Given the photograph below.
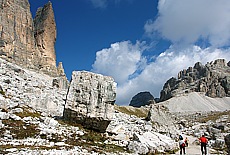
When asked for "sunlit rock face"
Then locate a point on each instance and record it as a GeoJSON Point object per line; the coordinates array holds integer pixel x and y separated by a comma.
{"type": "Point", "coordinates": [90, 100]}
{"type": "Point", "coordinates": [213, 79]}
{"type": "Point", "coordinates": [27, 42]}
{"type": "Point", "coordinates": [45, 36]}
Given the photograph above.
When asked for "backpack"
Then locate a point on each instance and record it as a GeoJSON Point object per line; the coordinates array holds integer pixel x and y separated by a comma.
{"type": "Point", "coordinates": [183, 144]}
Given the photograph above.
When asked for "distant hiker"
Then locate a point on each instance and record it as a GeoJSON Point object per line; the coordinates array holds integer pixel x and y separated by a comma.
{"type": "Point", "coordinates": [203, 142]}
{"type": "Point", "coordinates": [182, 146]}
{"type": "Point", "coordinates": [186, 141]}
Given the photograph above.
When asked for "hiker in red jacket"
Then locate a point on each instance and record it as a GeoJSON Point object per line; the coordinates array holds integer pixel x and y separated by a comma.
{"type": "Point", "coordinates": [203, 142]}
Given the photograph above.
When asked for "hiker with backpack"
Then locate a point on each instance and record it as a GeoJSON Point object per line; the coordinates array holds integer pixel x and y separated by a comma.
{"type": "Point", "coordinates": [182, 145]}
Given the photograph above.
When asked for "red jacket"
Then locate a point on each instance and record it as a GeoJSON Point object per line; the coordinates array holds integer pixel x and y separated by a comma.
{"type": "Point", "coordinates": [203, 140]}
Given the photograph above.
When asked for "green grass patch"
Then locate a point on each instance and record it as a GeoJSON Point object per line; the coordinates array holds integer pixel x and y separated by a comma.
{"type": "Point", "coordinates": [20, 130]}
{"type": "Point", "coordinates": [91, 140]}
{"type": "Point", "coordinates": [70, 123]}
{"type": "Point", "coordinates": [28, 113]}
{"type": "Point", "coordinates": [93, 136]}
{"type": "Point", "coordinates": [19, 147]}
{"type": "Point", "coordinates": [213, 116]}
{"type": "Point", "coordinates": [139, 112]}
{"type": "Point", "coordinates": [2, 92]}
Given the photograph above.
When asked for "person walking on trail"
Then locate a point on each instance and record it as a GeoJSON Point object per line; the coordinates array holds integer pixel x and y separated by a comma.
{"type": "Point", "coordinates": [186, 141]}
{"type": "Point", "coordinates": [203, 142]}
{"type": "Point", "coordinates": [182, 145]}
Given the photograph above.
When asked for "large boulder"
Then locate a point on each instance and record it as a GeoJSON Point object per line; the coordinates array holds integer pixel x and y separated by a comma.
{"type": "Point", "coordinates": [90, 100]}
{"type": "Point", "coordinates": [141, 99]}
{"type": "Point", "coordinates": [163, 120]}
{"type": "Point", "coordinates": [151, 142]}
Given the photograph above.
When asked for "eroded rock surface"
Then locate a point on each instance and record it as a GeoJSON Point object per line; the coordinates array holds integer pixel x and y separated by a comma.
{"type": "Point", "coordinates": [90, 100]}
{"type": "Point", "coordinates": [20, 86]}
{"type": "Point", "coordinates": [213, 79]}
{"type": "Point", "coordinates": [26, 42]}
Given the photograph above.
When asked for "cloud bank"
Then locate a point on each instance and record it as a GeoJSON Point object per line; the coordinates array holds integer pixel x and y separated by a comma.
{"type": "Point", "coordinates": [186, 23]}
{"type": "Point", "coordinates": [120, 61]}
{"type": "Point", "coordinates": [121, 64]}
{"type": "Point", "coordinates": [189, 20]}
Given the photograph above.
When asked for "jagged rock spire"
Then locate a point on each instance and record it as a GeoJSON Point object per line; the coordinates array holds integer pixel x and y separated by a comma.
{"type": "Point", "coordinates": [45, 35]}
{"type": "Point", "coordinates": [213, 79]}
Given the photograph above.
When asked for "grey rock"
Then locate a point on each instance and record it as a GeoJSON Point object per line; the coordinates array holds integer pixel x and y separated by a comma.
{"type": "Point", "coordinates": [213, 79]}
{"type": "Point", "coordinates": [16, 110]}
{"type": "Point", "coordinates": [1, 125]}
{"type": "Point", "coordinates": [15, 117]}
{"type": "Point", "coordinates": [138, 147]}
{"type": "Point", "coordinates": [219, 143]}
{"type": "Point", "coordinates": [142, 99]}
{"type": "Point", "coordinates": [228, 63]}
{"type": "Point", "coordinates": [163, 121]}
{"type": "Point", "coordinates": [227, 142]}
{"type": "Point", "coordinates": [50, 122]}
{"type": "Point", "coordinates": [4, 115]}
{"type": "Point", "coordinates": [90, 100]}
{"type": "Point", "coordinates": [32, 89]}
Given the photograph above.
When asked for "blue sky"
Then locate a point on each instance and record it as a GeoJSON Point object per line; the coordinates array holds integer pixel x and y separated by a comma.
{"type": "Point", "coordinates": [140, 43]}
{"type": "Point", "coordinates": [84, 27]}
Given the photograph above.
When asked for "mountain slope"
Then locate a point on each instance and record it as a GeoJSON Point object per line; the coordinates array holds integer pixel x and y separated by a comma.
{"type": "Point", "coordinates": [196, 102]}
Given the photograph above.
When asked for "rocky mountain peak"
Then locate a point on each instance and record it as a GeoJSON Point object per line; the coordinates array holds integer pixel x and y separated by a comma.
{"type": "Point", "coordinates": [213, 79]}
{"type": "Point", "coordinates": [45, 36]}
{"type": "Point", "coordinates": [141, 99]}
{"type": "Point", "coordinates": [27, 42]}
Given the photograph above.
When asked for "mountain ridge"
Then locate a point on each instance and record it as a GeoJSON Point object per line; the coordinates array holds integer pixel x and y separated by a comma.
{"type": "Point", "coordinates": [213, 79]}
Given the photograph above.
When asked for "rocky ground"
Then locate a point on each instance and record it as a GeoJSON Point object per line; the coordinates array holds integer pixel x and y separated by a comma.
{"type": "Point", "coordinates": [31, 122]}
{"type": "Point", "coordinates": [39, 109]}
{"type": "Point", "coordinates": [26, 131]}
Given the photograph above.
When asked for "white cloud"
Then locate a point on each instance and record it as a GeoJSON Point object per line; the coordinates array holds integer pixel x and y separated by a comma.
{"type": "Point", "coordinates": [183, 22]}
{"type": "Point", "coordinates": [99, 3]}
{"type": "Point", "coordinates": [167, 64]}
{"type": "Point", "coordinates": [121, 60]}
{"type": "Point", "coordinates": [188, 20]}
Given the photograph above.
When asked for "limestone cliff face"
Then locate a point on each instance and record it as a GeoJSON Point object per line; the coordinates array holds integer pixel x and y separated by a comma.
{"type": "Point", "coordinates": [16, 29]}
{"type": "Point", "coordinates": [26, 42]}
{"type": "Point", "coordinates": [213, 79]}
